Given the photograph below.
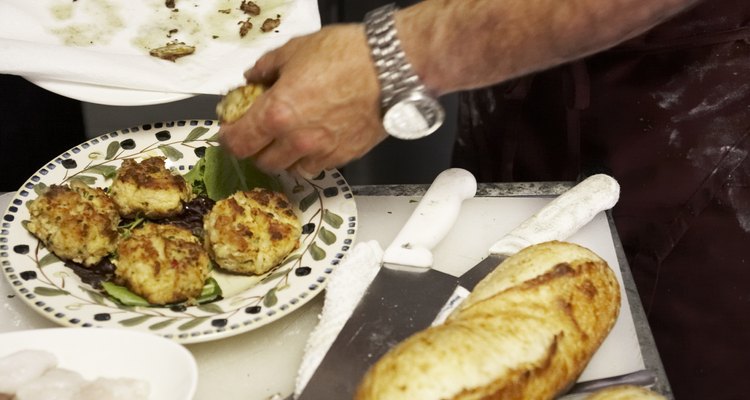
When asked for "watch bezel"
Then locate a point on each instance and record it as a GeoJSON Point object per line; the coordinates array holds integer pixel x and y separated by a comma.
{"type": "Point", "coordinates": [413, 97]}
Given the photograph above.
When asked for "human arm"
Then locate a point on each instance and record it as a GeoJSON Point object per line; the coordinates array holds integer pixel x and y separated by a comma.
{"type": "Point", "coordinates": [458, 45]}
{"type": "Point", "coordinates": [323, 109]}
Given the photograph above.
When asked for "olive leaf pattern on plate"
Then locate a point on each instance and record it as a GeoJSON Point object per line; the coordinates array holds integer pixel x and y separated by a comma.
{"type": "Point", "coordinates": [324, 204]}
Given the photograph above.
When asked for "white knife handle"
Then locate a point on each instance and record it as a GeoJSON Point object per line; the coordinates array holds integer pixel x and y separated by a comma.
{"type": "Point", "coordinates": [430, 222]}
{"type": "Point", "coordinates": [563, 216]}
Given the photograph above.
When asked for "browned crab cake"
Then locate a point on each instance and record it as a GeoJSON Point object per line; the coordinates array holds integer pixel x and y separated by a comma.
{"type": "Point", "coordinates": [164, 264]}
{"type": "Point", "coordinates": [149, 189]}
{"type": "Point", "coordinates": [76, 222]}
{"type": "Point", "coordinates": [251, 232]}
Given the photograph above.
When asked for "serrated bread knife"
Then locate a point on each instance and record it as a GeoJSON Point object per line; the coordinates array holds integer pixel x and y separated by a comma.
{"type": "Point", "coordinates": [558, 220]}
{"type": "Point", "coordinates": [399, 304]}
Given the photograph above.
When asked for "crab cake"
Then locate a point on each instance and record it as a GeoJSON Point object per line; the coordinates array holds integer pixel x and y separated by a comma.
{"type": "Point", "coordinates": [251, 232]}
{"type": "Point", "coordinates": [164, 264]}
{"type": "Point", "coordinates": [236, 103]}
{"type": "Point", "coordinates": [149, 189]}
{"type": "Point", "coordinates": [77, 223]}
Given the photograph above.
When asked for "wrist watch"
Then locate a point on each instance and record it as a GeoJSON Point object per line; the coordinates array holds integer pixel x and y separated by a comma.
{"type": "Point", "coordinates": [408, 109]}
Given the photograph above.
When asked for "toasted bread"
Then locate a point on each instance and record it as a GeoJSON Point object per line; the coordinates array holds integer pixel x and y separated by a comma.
{"type": "Point", "coordinates": [526, 332]}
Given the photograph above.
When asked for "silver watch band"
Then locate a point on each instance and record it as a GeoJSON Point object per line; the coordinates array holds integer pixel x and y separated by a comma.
{"type": "Point", "coordinates": [395, 74]}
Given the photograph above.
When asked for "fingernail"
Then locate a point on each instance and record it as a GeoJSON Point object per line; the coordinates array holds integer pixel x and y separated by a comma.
{"type": "Point", "coordinates": [302, 173]}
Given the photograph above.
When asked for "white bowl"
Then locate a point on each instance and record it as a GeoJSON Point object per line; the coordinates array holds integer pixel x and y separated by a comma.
{"type": "Point", "coordinates": [168, 367]}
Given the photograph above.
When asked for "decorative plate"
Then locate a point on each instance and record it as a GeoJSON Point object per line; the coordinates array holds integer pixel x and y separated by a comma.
{"type": "Point", "coordinates": [325, 205]}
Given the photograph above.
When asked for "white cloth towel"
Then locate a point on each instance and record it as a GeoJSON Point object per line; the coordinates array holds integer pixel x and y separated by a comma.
{"type": "Point", "coordinates": [107, 42]}
{"type": "Point", "coordinates": [346, 286]}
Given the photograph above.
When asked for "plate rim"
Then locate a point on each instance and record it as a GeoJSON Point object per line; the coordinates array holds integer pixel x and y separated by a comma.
{"type": "Point", "coordinates": [108, 95]}
{"type": "Point", "coordinates": [269, 316]}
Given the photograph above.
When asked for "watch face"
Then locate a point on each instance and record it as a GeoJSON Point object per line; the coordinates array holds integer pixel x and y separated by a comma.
{"type": "Point", "coordinates": [414, 116]}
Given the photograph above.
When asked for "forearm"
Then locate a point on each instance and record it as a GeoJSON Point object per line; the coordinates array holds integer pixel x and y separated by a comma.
{"type": "Point", "coordinates": [463, 44]}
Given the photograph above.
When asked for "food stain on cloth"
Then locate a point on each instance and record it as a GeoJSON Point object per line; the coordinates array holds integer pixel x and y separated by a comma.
{"type": "Point", "coordinates": [88, 23]}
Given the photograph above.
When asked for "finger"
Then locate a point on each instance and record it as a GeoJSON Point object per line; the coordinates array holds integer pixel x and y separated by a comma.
{"type": "Point", "coordinates": [300, 171]}
{"type": "Point", "coordinates": [267, 69]}
{"type": "Point", "coordinates": [244, 138]}
{"type": "Point", "coordinates": [310, 167]}
{"type": "Point", "coordinates": [293, 146]}
{"type": "Point", "coordinates": [279, 155]}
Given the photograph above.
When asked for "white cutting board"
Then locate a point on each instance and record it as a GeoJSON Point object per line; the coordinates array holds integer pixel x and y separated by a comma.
{"type": "Point", "coordinates": [481, 222]}
{"type": "Point", "coordinates": [261, 363]}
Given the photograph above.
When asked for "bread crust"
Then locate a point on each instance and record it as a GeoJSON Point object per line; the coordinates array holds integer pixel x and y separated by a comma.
{"type": "Point", "coordinates": [527, 331]}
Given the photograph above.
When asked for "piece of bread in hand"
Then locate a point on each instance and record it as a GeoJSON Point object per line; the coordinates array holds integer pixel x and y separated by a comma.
{"type": "Point", "coordinates": [527, 331]}
{"type": "Point", "coordinates": [625, 392]}
{"type": "Point", "coordinates": [237, 101]}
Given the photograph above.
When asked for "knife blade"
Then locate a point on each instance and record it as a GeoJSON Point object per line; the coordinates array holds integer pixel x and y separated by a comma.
{"type": "Point", "coordinates": [558, 220]}
{"type": "Point", "coordinates": [400, 298]}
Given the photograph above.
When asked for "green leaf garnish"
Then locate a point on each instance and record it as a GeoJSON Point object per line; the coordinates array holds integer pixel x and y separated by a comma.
{"type": "Point", "coordinates": [126, 229]}
{"type": "Point", "coordinates": [123, 295]}
{"type": "Point", "coordinates": [195, 177]}
{"type": "Point", "coordinates": [211, 291]}
{"type": "Point", "coordinates": [223, 175]}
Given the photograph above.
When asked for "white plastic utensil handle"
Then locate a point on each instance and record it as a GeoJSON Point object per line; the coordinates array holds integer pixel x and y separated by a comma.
{"type": "Point", "coordinates": [430, 222]}
{"type": "Point", "coordinates": [563, 216]}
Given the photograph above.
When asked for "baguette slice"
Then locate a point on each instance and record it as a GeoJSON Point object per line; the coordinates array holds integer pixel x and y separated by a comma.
{"type": "Point", "coordinates": [237, 101]}
{"type": "Point", "coordinates": [526, 332]}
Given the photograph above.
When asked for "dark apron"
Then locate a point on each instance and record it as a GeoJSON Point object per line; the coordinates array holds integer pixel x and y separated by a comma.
{"type": "Point", "coordinates": [668, 115]}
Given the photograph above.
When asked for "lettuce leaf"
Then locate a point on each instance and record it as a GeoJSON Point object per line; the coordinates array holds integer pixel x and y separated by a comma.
{"type": "Point", "coordinates": [210, 292]}
{"type": "Point", "coordinates": [218, 175]}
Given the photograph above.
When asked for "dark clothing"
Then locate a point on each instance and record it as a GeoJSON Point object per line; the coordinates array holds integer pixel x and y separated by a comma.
{"type": "Point", "coordinates": [668, 115]}
{"type": "Point", "coordinates": [35, 126]}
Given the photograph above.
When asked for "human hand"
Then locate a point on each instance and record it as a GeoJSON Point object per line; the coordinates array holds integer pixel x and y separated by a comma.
{"type": "Point", "coordinates": [322, 109]}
